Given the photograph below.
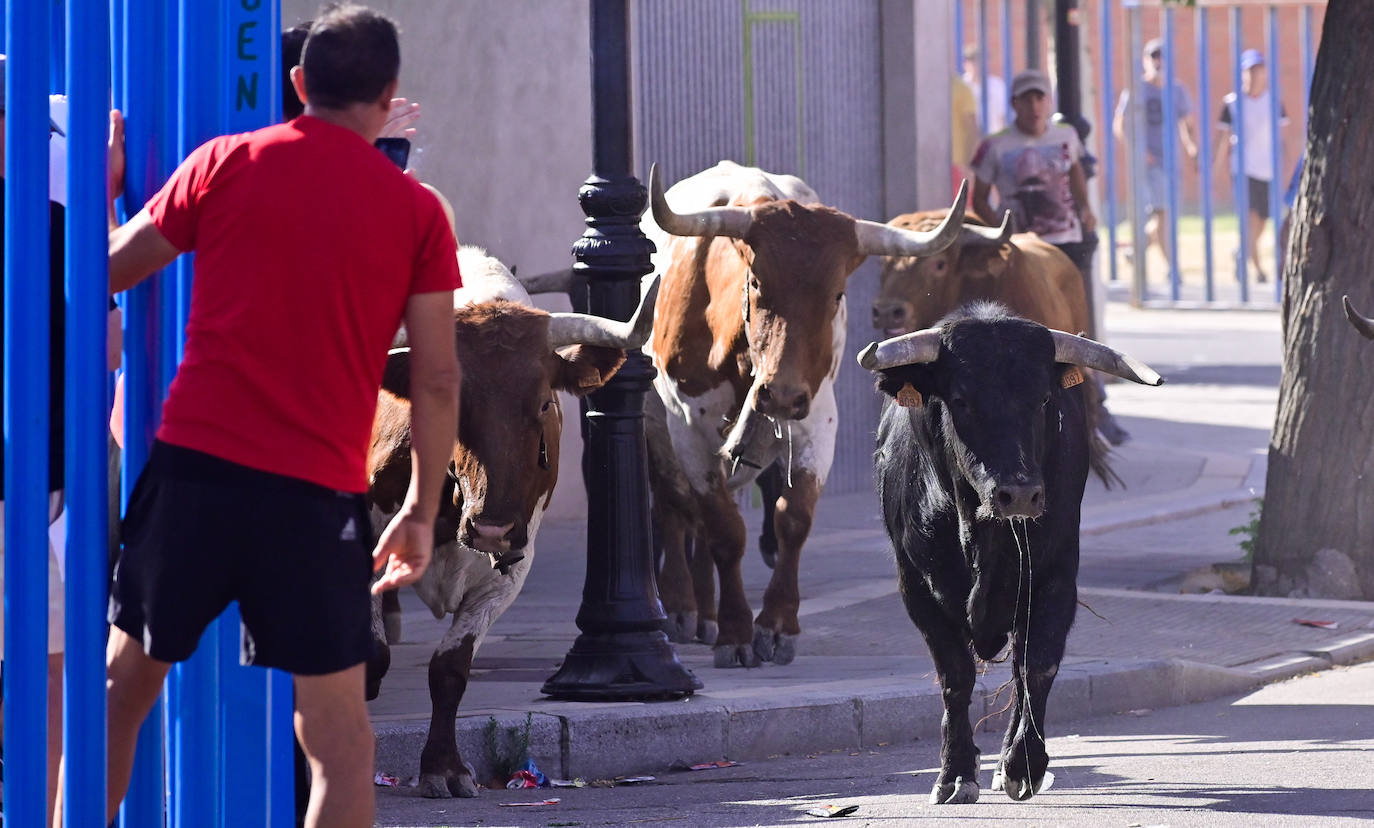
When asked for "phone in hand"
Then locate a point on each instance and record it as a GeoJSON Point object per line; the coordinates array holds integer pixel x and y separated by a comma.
{"type": "Point", "coordinates": [397, 149]}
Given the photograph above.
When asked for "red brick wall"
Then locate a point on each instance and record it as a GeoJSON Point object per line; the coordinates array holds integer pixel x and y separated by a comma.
{"type": "Point", "coordinates": [1220, 54]}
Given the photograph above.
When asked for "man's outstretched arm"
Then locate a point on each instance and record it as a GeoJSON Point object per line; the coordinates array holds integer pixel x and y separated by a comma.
{"type": "Point", "coordinates": [137, 250]}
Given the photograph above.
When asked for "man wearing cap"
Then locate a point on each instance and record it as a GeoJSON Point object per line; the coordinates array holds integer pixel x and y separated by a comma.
{"type": "Point", "coordinates": [1035, 167]}
{"type": "Point", "coordinates": [1151, 113]}
{"type": "Point", "coordinates": [1256, 128]}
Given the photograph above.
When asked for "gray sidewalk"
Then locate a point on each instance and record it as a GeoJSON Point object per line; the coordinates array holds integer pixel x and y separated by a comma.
{"type": "Point", "coordinates": [862, 675]}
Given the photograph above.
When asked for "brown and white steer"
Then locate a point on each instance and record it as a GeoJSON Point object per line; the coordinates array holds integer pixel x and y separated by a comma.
{"type": "Point", "coordinates": [748, 335]}
{"type": "Point", "coordinates": [501, 478]}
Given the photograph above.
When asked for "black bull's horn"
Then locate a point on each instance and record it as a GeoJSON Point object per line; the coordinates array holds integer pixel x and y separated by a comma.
{"type": "Point", "coordinates": [1363, 324]}
{"type": "Point", "coordinates": [587, 329]}
{"type": "Point", "coordinates": [874, 239]}
{"type": "Point", "coordinates": [924, 346]}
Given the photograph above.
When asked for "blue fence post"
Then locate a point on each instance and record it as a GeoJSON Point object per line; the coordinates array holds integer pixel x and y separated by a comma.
{"type": "Point", "coordinates": [142, 96]}
{"type": "Point", "coordinates": [1305, 35]}
{"type": "Point", "coordinates": [1008, 67]}
{"type": "Point", "coordinates": [87, 431]}
{"type": "Point", "coordinates": [1108, 138]}
{"type": "Point", "coordinates": [1136, 130]}
{"type": "Point", "coordinates": [1240, 183]}
{"type": "Point", "coordinates": [984, 98]}
{"type": "Point", "coordinates": [958, 36]}
{"type": "Point", "coordinates": [1205, 148]}
{"type": "Point", "coordinates": [26, 391]}
{"type": "Point", "coordinates": [1170, 134]}
{"type": "Point", "coordinates": [1280, 178]}
{"type": "Point", "coordinates": [256, 704]}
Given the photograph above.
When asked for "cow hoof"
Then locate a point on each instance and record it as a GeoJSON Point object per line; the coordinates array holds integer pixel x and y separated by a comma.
{"type": "Point", "coordinates": [1022, 789]}
{"type": "Point", "coordinates": [763, 643]}
{"type": "Point", "coordinates": [957, 792]}
{"type": "Point", "coordinates": [391, 623]}
{"type": "Point", "coordinates": [779, 648]}
{"type": "Point", "coordinates": [442, 786]}
{"type": "Point", "coordinates": [735, 655]}
{"type": "Point", "coordinates": [707, 631]}
{"type": "Point", "coordinates": [682, 627]}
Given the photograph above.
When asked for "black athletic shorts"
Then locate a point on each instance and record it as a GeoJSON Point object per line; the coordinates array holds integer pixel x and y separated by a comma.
{"type": "Point", "coordinates": [201, 532]}
{"type": "Point", "coordinates": [1259, 196]}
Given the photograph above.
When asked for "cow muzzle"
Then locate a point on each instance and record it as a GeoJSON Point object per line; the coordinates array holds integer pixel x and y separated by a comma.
{"type": "Point", "coordinates": [1022, 498]}
{"type": "Point", "coordinates": [892, 316]}
{"type": "Point", "coordinates": [782, 401]}
{"type": "Point", "coordinates": [495, 540]}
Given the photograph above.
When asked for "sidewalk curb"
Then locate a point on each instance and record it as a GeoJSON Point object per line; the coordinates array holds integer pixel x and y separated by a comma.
{"type": "Point", "coordinates": [605, 741]}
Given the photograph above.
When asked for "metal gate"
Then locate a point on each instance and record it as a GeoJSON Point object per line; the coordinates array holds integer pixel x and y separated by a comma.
{"type": "Point", "coordinates": [792, 86]}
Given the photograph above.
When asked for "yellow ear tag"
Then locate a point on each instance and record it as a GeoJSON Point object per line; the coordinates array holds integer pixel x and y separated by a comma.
{"type": "Point", "coordinates": [1071, 377]}
{"type": "Point", "coordinates": [909, 397]}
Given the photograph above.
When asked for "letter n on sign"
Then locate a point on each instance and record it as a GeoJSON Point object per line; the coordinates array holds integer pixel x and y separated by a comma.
{"type": "Point", "coordinates": [252, 56]}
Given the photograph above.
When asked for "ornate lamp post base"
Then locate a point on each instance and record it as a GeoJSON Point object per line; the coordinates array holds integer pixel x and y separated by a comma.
{"type": "Point", "coordinates": [630, 666]}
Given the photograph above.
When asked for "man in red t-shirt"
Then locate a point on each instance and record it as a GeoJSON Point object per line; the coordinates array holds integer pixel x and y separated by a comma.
{"type": "Point", "coordinates": [311, 248]}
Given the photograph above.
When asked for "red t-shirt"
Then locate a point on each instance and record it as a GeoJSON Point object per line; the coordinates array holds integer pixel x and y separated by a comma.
{"type": "Point", "coordinates": [307, 242]}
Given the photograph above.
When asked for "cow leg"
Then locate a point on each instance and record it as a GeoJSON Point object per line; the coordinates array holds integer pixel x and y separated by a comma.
{"type": "Point", "coordinates": [443, 773]}
{"type": "Point", "coordinates": [703, 568]}
{"type": "Point", "coordinates": [770, 483]}
{"type": "Point", "coordinates": [722, 535]}
{"type": "Point", "coordinates": [949, 649]}
{"type": "Point", "coordinates": [776, 629]}
{"type": "Point", "coordinates": [675, 579]}
{"type": "Point", "coordinates": [1037, 649]}
{"type": "Point", "coordinates": [391, 615]}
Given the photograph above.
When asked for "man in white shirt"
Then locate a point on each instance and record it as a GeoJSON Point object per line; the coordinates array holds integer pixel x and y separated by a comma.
{"type": "Point", "coordinates": [1257, 128]}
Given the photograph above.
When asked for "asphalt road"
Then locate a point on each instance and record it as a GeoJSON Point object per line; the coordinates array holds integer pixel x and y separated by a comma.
{"type": "Point", "coordinates": [1296, 753]}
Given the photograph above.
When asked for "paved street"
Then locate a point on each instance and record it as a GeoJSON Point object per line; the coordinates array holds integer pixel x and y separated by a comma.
{"type": "Point", "coordinates": [1297, 753]}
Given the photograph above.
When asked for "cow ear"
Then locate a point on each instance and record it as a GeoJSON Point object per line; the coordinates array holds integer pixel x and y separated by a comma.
{"type": "Point", "coordinates": [997, 262]}
{"type": "Point", "coordinates": [582, 369]}
{"type": "Point", "coordinates": [906, 383]}
{"type": "Point", "coordinates": [396, 374]}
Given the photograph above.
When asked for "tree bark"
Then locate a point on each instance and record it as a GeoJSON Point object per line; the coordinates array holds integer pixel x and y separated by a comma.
{"type": "Point", "coordinates": [1318, 493]}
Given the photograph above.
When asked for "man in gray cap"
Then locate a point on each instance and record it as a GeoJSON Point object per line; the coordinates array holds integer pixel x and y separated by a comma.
{"type": "Point", "coordinates": [1150, 113]}
{"type": "Point", "coordinates": [1256, 128]}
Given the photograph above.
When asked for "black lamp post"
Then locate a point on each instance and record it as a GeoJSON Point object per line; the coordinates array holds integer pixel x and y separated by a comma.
{"type": "Point", "coordinates": [622, 653]}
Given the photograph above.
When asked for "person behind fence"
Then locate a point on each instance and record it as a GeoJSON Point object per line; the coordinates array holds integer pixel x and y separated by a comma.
{"type": "Point", "coordinates": [1151, 119]}
{"type": "Point", "coordinates": [311, 247]}
{"type": "Point", "coordinates": [57, 199]}
{"type": "Point", "coordinates": [1036, 167]}
{"type": "Point", "coordinates": [996, 91]}
{"type": "Point", "coordinates": [1257, 124]}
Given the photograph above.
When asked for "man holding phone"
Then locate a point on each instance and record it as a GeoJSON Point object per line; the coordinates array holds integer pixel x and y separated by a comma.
{"type": "Point", "coordinates": [310, 250]}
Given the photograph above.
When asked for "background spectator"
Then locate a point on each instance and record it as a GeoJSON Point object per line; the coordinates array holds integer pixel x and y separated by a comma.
{"type": "Point", "coordinates": [1258, 129]}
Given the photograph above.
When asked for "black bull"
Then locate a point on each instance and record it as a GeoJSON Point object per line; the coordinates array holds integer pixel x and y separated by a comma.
{"type": "Point", "coordinates": [981, 463]}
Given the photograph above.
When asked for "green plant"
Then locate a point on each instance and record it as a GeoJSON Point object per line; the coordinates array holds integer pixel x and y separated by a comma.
{"type": "Point", "coordinates": [507, 752]}
{"type": "Point", "coordinates": [1249, 530]}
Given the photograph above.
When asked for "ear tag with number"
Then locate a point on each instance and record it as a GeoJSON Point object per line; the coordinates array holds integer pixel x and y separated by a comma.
{"type": "Point", "coordinates": [1072, 376]}
{"type": "Point", "coordinates": [909, 397]}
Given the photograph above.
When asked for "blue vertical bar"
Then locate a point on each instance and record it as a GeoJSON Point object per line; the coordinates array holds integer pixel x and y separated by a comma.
{"type": "Point", "coordinates": [57, 56]}
{"type": "Point", "coordinates": [1136, 130]}
{"type": "Point", "coordinates": [1280, 177]}
{"type": "Point", "coordinates": [1239, 181]}
{"type": "Point", "coordinates": [142, 97]}
{"type": "Point", "coordinates": [1305, 35]}
{"type": "Point", "coordinates": [958, 36]}
{"type": "Point", "coordinates": [256, 704]}
{"type": "Point", "coordinates": [26, 355]}
{"type": "Point", "coordinates": [1108, 141]}
{"type": "Point", "coordinates": [1171, 152]}
{"type": "Point", "coordinates": [1204, 96]}
{"type": "Point", "coordinates": [87, 431]}
{"type": "Point", "coordinates": [1008, 69]}
{"type": "Point", "coordinates": [194, 745]}
{"type": "Point", "coordinates": [984, 104]}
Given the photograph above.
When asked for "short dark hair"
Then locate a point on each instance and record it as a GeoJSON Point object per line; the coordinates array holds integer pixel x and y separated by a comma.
{"type": "Point", "coordinates": [350, 56]}
{"type": "Point", "coordinates": [292, 41]}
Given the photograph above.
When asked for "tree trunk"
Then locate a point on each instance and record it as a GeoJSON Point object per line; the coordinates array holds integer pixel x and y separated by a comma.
{"type": "Point", "coordinates": [1316, 535]}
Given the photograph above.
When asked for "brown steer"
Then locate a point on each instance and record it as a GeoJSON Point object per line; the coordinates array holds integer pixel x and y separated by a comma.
{"type": "Point", "coordinates": [748, 335]}
{"type": "Point", "coordinates": [502, 475]}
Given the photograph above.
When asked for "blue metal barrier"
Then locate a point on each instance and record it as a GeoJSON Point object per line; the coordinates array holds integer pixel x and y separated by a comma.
{"type": "Point", "coordinates": [1205, 151]}
{"type": "Point", "coordinates": [1170, 159]}
{"type": "Point", "coordinates": [26, 410]}
{"type": "Point", "coordinates": [1239, 182]}
{"type": "Point", "coordinates": [1280, 176]}
{"type": "Point", "coordinates": [87, 430]}
{"type": "Point", "coordinates": [1108, 140]}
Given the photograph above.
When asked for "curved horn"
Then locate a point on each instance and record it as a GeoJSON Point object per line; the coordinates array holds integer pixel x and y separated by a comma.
{"type": "Point", "coordinates": [907, 349]}
{"type": "Point", "coordinates": [1089, 354]}
{"type": "Point", "coordinates": [713, 221]}
{"type": "Point", "coordinates": [555, 281]}
{"type": "Point", "coordinates": [588, 329]}
{"type": "Point", "coordinates": [976, 234]}
{"type": "Point", "coordinates": [885, 240]}
{"type": "Point", "coordinates": [1363, 324]}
